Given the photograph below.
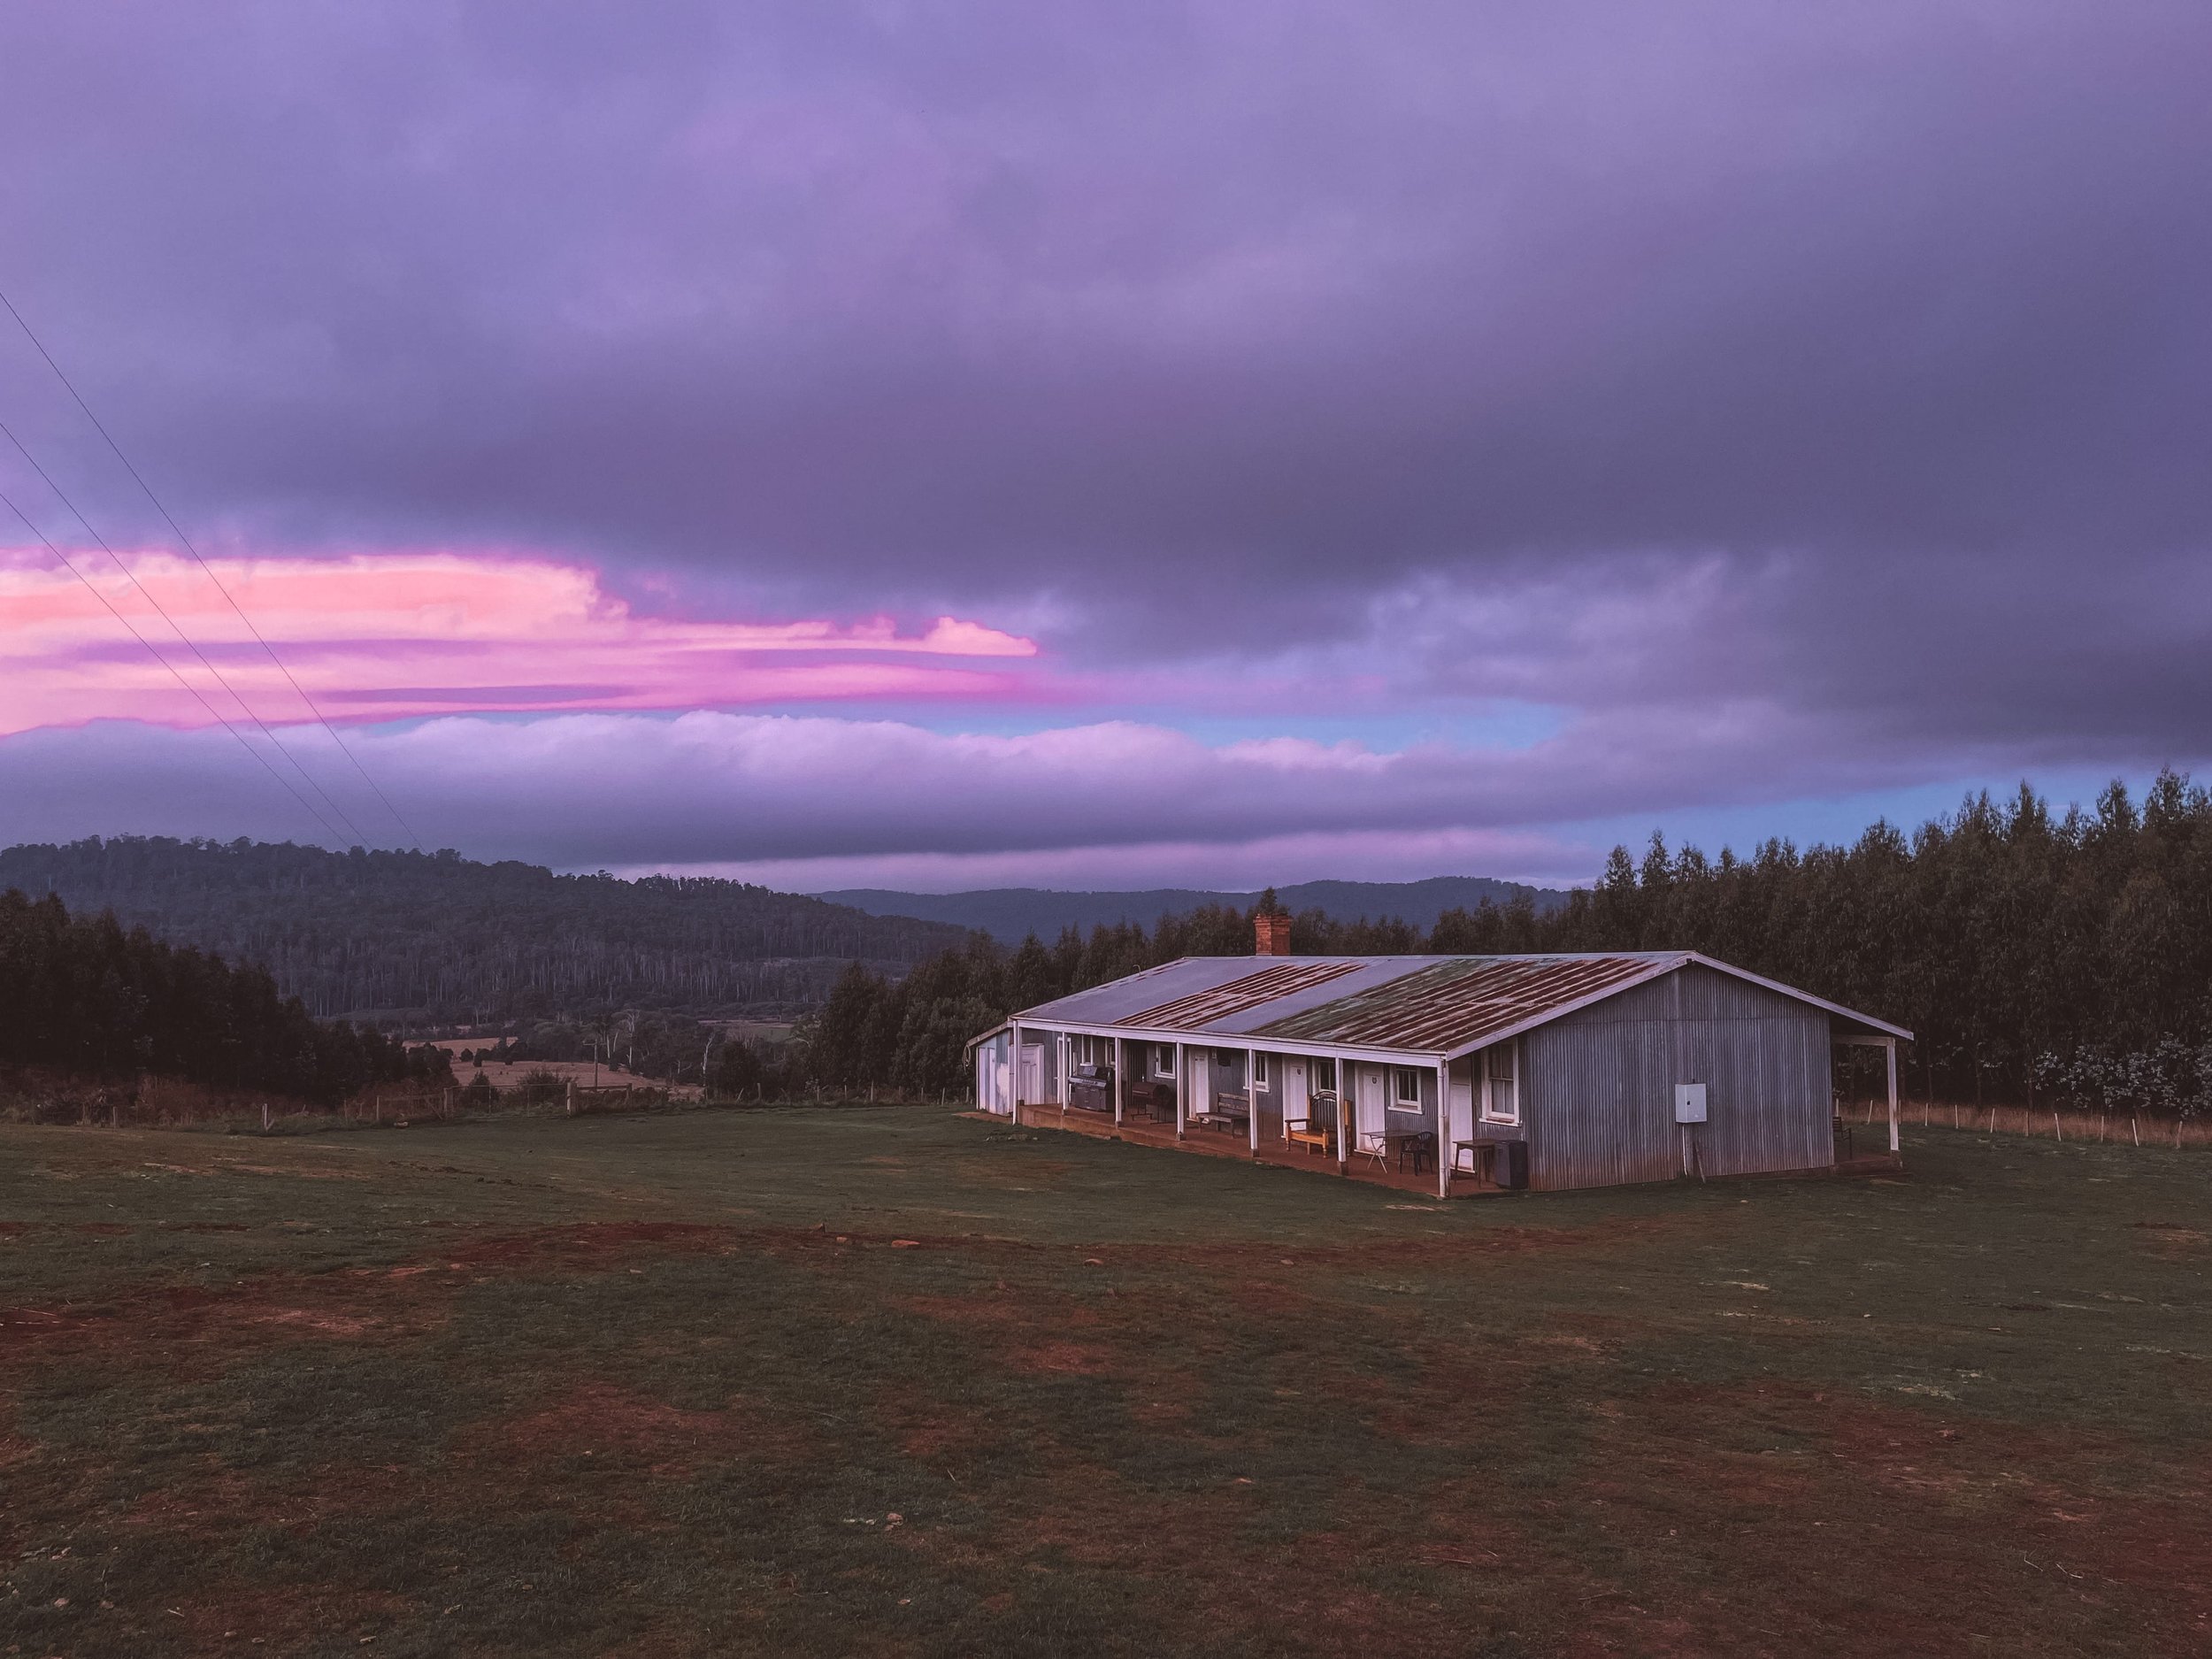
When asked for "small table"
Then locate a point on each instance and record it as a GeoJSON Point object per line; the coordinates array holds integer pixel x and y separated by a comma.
{"type": "Point", "coordinates": [1482, 1159]}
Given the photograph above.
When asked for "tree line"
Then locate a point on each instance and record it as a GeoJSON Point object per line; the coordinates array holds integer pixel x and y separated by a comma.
{"type": "Point", "coordinates": [435, 938]}
{"type": "Point", "coordinates": [2036, 955]}
{"type": "Point", "coordinates": [83, 996]}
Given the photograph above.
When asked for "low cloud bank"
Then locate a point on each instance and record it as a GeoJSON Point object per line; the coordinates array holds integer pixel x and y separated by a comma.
{"type": "Point", "coordinates": [812, 801]}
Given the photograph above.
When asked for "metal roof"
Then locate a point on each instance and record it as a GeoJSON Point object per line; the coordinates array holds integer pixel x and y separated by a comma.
{"type": "Point", "coordinates": [1426, 1005]}
{"type": "Point", "coordinates": [1463, 1001]}
{"type": "Point", "coordinates": [1196, 1009]}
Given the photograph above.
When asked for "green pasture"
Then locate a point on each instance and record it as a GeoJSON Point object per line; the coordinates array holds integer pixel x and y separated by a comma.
{"type": "Point", "coordinates": [901, 1381]}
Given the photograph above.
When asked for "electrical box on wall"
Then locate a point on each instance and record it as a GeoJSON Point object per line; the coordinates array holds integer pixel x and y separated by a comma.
{"type": "Point", "coordinates": [1689, 1102]}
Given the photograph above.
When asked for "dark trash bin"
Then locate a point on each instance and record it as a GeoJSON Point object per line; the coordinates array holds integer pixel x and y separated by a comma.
{"type": "Point", "coordinates": [1512, 1165]}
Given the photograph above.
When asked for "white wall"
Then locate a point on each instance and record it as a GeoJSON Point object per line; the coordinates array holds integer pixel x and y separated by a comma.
{"type": "Point", "coordinates": [994, 1084]}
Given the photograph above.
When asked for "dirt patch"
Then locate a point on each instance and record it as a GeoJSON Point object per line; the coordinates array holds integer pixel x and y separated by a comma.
{"type": "Point", "coordinates": [604, 1421]}
{"type": "Point", "coordinates": [2172, 1240]}
{"type": "Point", "coordinates": [1023, 1176]}
{"type": "Point", "coordinates": [1316, 1583]}
{"type": "Point", "coordinates": [309, 1319]}
{"type": "Point", "coordinates": [936, 1436]}
{"type": "Point", "coordinates": [588, 1240]}
{"type": "Point", "coordinates": [1006, 1311]}
{"type": "Point", "coordinates": [1424, 1252]}
{"type": "Point", "coordinates": [189, 1330]}
{"type": "Point", "coordinates": [227, 1167]}
{"type": "Point", "coordinates": [1070, 1359]}
{"type": "Point", "coordinates": [201, 1502]}
{"type": "Point", "coordinates": [231, 1618]}
{"type": "Point", "coordinates": [1742, 1486]}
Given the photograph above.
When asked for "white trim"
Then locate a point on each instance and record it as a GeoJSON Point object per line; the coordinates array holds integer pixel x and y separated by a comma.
{"type": "Point", "coordinates": [1169, 1037]}
{"type": "Point", "coordinates": [1003, 1026]}
{"type": "Point", "coordinates": [1445, 1155]}
{"type": "Point", "coordinates": [1837, 1008]}
{"type": "Point", "coordinates": [1893, 1144]}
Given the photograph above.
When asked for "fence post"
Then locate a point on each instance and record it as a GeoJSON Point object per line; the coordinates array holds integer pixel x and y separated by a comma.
{"type": "Point", "coordinates": [2056, 1133]}
{"type": "Point", "coordinates": [571, 1097]}
{"type": "Point", "coordinates": [265, 1117]}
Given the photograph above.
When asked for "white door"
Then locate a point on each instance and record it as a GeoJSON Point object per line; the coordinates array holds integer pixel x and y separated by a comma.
{"type": "Point", "coordinates": [1033, 1073]}
{"type": "Point", "coordinates": [1462, 1114]}
{"type": "Point", "coordinates": [1372, 1080]}
{"type": "Point", "coordinates": [1295, 1097]}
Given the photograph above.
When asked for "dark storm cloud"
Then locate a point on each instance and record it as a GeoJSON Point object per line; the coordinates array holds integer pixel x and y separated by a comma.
{"type": "Point", "coordinates": [1865, 346]}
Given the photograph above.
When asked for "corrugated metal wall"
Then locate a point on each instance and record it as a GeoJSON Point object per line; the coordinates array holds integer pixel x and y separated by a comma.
{"type": "Point", "coordinates": [1599, 1084]}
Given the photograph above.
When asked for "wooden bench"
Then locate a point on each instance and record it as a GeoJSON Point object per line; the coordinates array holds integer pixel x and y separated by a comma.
{"type": "Point", "coordinates": [1228, 1112]}
{"type": "Point", "coordinates": [1318, 1135]}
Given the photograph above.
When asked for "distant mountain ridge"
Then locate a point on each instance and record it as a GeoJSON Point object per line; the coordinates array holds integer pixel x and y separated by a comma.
{"type": "Point", "coordinates": [439, 937]}
{"type": "Point", "coordinates": [1010, 914]}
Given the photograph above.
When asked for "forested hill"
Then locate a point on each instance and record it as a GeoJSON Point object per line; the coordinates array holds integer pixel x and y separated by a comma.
{"type": "Point", "coordinates": [1011, 914]}
{"type": "Point", "coordinates": [352, 933]}
{"type": "Point", "coordinates": [81, 995]}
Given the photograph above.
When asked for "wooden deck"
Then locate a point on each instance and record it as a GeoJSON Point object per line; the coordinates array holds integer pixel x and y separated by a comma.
{"type": "Point", "coordinates": [1217, 1143]}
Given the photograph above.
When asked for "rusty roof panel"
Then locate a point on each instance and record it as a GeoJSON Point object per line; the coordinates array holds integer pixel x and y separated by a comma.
{"type": "Point", "coordinates": [1461, 1002]}
{"type": "Point", "coordinates": [1201, 1009]}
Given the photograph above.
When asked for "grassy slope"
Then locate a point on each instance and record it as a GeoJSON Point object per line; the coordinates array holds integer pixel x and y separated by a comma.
{"type": "Point", "coordinates": [602, 1385]}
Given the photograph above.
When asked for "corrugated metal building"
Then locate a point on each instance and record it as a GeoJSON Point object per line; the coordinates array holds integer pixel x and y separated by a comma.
{"type": "Point", "coordinates": [1554, 1070]}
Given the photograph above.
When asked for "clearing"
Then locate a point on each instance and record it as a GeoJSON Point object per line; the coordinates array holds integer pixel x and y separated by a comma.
{"type": "Point", "coordinates": [898, 1381]}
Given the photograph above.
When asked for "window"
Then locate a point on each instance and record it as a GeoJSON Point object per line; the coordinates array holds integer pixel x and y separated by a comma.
{"type": "Point", "coordinates": [1501, 1088]}
{"type": "Point", "coordinates": [1324, 1076]}
{"type": "Point", "coordinates": [1164, 1059]}
{"type": "Point", "coordinates": [1406, 1095]}
{"type": "Point", "coordinates": [1259, 1071]}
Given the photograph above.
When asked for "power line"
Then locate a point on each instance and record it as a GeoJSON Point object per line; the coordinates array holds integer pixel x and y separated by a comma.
{"type": "Point", "coordinates": [148, 593]}
{"type": "Point", "coordinates": [187, 542]}
{"type": "Point", "coordinates": [178, 674]}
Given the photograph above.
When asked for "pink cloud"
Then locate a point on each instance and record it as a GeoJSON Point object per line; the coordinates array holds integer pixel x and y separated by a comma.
{"type": "Point", "coordinates": [385, 636]}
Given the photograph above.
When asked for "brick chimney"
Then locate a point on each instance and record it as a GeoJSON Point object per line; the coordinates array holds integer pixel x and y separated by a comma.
{"type": "Point", "coordinates": [1272, 931]}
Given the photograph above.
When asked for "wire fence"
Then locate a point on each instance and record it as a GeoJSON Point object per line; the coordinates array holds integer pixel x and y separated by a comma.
{"type": "Point", "coordinates": [2042, 1122]}
{"type": "Point", "coordinates": [154, 1102]}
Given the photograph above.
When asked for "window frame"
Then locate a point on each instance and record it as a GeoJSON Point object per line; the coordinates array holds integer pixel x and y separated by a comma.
{"type": "Point", "coordinates": [1401, 1077]}
{"type": "Point", "coordinates": [1510, 1051]}
{"type": "Point", "coordinates": [1314, 1085]}
{"type": "Point", "coordinates": [1260, 1072]}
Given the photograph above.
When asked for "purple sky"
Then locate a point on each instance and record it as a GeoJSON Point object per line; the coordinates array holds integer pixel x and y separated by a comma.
{"type": "Point", "coordinates": [1368, 439]}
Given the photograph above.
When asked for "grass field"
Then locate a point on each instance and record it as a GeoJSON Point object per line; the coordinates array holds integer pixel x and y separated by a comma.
{"type": "Point", "coordinates": [899, 1381]}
